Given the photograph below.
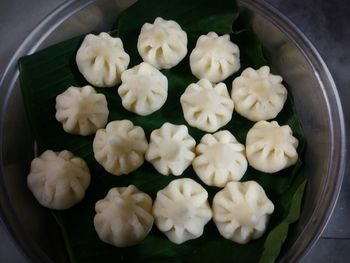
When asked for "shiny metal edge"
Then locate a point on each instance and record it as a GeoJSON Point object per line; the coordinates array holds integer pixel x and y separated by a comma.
{"type": "Point", "coordinates": [317, 223]}
{"type": "Point", "coordinates": [53, 20]}
{"type": "Point", "coordinates": [9, 77]}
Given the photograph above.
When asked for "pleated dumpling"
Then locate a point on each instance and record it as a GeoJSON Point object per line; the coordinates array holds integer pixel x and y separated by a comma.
{"type": "Point", "coordinates": [207, 106]}
{"type": "Point", "coordinates": [58, 180]}
{"type": "Point", "coordinates": [120, 148]}
{"type": "Point", "coordinates": [171, 149]}
{"type": "Point", "coordinates": [81, 110]}
{"type": "Point", "coordinates": [214, 57]}
{"type": "Point", "coordinates": [258, 94]}
{"type": "Point", "coordinates": [220, 159]}
{"type": "Point", "coordinates": [162, 44]}
{"type": "Point", "coordinates": [144, 89]}
{"type": "Point", "coordinates": [241, 211]}
{"type": "Point", "coordinates": [181, 210]}
{"type": "Point", "coordinates": [124, 217]}
{"type": "Point", "coordinates": [102, 59]}
{"type": "Point", "coordinates": [271, 147]}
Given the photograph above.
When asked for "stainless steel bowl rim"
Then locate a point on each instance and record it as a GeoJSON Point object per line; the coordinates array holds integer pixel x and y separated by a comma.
{"type": "Point", "coordinates": [338, 144]}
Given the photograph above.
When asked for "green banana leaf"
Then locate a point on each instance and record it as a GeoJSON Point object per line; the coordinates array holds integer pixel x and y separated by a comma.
{"type": "Point", "coordinates": [51, 71]}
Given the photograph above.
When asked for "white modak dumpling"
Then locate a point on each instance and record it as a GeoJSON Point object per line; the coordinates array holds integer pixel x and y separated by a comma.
{"type": "Point", "coordinates": [124, 217]}
{"type": "Point", "coordinates": [181, 210]}
{"type": "Point", "coordinates": [102, 59]}
{"type": "Point", "coordinates": [207, 106]}
{"type": "Point", "coordinates": [214, 57]}
{"type": "Point", "coordinates": [144, 89]}
{"type": "Point", "coordinates": [120, 148]}
{"type": "Point", "coordinates": [163, 44]}
{"type": "Point", "coordinates": [58, 180]}
{"type": "Point", "coordinates": [258, 94]}
{"type": "Point", "coordinates": [171, 149]}
{"type": "Point", "coordinates": [241, 211]}
{"type": "Point", "coordinates": [270, 147]}
{"type": "Point", "coordinates": [220, 159]}
{"type": "Point", "coordinates": [81, 110]}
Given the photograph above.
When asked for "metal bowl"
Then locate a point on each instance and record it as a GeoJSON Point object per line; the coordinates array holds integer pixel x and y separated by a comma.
{"type": "Point", "coordinates": [312, 87]}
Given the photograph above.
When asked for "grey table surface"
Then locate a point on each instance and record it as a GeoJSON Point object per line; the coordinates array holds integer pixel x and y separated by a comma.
{"type": "Point", "coordinates": [324, 22]}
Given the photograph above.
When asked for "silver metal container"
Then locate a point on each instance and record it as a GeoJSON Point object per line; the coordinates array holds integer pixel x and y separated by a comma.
{"type": "Point", "coordinates": [316, 100]}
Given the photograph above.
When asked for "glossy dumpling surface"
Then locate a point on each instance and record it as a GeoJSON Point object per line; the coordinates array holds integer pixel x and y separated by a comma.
{"type": "Point", "coordinates": [181, 210]}
{"type": "Point", "coordinates": [241, 211]}
{"type": "Point", "coordinates": [81, 110]}
{"type": "Point", "coordinates": [214, 57]}
{"type": "Point", "coordinates": [120, 148]}
{"type": "Point", "coordinates": [171, 149]}
{"type": "Point", "coordinates": [258, 94]}
{"type": "Point", "coordinates": [207, 106]}
{"type": "Point", "coordinates": [163, 44]}
{"type": "Point", "coordinates": [220, 159]}
{"type": "Point", "coordinates": [101, 59]}
{"type": "Point", "coordinates": [124, 217]}
{"type": "Point", "coordinates": [144, 89]}
{"type": "Point", "coordinates": [58, 180]}
{"type": "Point", "coordinates": [271, 147]}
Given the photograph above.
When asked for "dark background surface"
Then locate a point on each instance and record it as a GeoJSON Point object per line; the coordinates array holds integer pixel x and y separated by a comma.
{"type": "Point", "coordinates": [326, 23]}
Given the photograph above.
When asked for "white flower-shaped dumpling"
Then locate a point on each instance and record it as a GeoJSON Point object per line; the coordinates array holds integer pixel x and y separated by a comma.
{"type": "Point", "coordinates": [220, 159]}
{"type": "Point", "coordinates": [120, 148]}
{"type": "Point", "coordinates": [171, 149]}
{"type": "Point", "coordinates": [270, 147]}
{"type": "Point", "coordinates": [241, 211]}
{"type": "Point", "coordinates": [163, 44]}
{"type": "Point", "coordinates": [102, 59]}
{"type": "Point", "coordinates": [124, 217]}
{"type": "Point", "coordinates": [144, 89]}
{"type": "Point", "coordinates": [258, 95]}
{"type": "Point", "coordinates": [181, 210]}
{"type": "Point", "coordinates": [207, 106]}
{"type": "Point", "coordinates": [214, 57]}
{"type": "Point", "coordinates": [58, 180]}
{"type": "Point", "coordinates": [81, 110]}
